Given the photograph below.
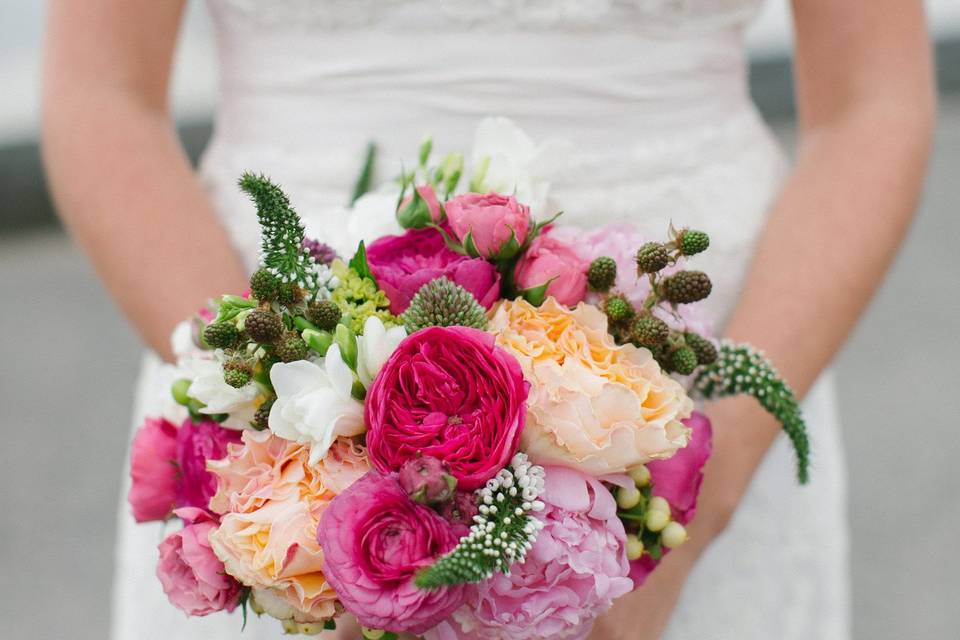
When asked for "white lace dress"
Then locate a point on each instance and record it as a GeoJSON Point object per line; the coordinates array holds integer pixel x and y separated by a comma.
{"type": "Point", "coordinates": [653, 95]}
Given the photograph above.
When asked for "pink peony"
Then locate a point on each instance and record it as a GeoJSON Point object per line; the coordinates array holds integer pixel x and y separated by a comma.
{"type": "Point", "coordinates": [489, 221]}
{"type": "Point", "coordinates": [549, 260]}
{"type": "Point", "coordinates": [374, 539]}
{"type": "Point", "coordinates": [576, 568]}
{"type": "Point", "coordinates": [403, 264]}
{"type": "Point", "coordinates": [153, 470]}
{"type": "Point", "coordinates": [677, 480]}
{"type": "Point", "coordinates": [451, 393]}
{"type": "Point", "coordinates": [191, 575]}
{"type": "Point", "coordinates": [198, 442]}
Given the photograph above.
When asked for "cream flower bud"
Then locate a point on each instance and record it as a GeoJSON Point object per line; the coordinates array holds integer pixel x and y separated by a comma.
{"type": "Point", "coordinates": [628, 497]}
{"type": "Point", "coordinates": [674, 535]}
{"type": "Point", "coordinates": [656, 520]}
{"type": "Point", "coordinates": [640, 475]}
{"type": "Point", "coordinates": [634, 547]}
{"type": "Point", "coordinates": [659, 504]}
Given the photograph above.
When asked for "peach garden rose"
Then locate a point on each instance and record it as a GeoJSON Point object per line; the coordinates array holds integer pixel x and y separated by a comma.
{"type": "Point", "coordinates": [594, 405]}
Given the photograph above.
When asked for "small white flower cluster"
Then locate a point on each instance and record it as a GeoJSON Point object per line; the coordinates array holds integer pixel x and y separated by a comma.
{"type": "Point", "coordinates": [326, 281]}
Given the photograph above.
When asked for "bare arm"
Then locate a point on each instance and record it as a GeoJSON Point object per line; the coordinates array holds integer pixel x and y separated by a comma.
{"type": "Point", "coordinates": [119, 177]}
{"type": "Point", "coordinates": [866, 100]}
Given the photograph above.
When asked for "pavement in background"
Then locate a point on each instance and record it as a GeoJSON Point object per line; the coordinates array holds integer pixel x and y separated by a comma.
{"type": "Point", "coordinates": [70, 361]}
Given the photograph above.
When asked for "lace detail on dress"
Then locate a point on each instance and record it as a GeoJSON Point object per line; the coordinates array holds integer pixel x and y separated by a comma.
{"type": "Point", "coordinates": [571, 15]}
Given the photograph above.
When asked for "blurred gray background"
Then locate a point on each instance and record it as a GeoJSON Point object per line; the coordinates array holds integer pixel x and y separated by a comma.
{"type": "Point", "coordinates": [69, 362]}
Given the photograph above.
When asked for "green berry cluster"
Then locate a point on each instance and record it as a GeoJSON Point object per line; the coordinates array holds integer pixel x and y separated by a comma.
{"type": "Point", "coordinates": [601, 274]}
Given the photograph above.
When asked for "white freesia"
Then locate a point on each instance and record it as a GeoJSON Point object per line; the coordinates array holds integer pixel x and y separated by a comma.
{"type": "Point", "coordinates": [518, 166]}
{"type": "Point", "coordinates": [374, 347]}
{"type": "Point", "coordinates": [314, 404]}
{"type": "Point", "coordinates": [208, 386]}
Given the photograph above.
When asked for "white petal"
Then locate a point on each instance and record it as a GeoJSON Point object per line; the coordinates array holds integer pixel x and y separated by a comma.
{"type": "Point", "coordinates": [340, 375]}
{"type": "Point", "coordinates": [291, 378]}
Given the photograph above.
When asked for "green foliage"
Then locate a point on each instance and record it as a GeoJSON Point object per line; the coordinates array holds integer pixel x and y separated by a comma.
{"type": "Point", "coordinates": [365, 179]}
{"type": "Point", "coordinates": [742, 369]}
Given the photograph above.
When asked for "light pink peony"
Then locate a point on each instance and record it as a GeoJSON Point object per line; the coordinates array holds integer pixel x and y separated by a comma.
{"type": "Point", "coordinates": [549, 259]}
{"type": "Point", "coordinates": [677, 480]}
{"type": "Point", "coordinates": [197, 443]}
{"type": "Point", "coordinates": [450, 393]}
{"type": "Point", "coordinates": [403, 264]}
{"type": "Point", "coordinates": [191, 575]}
{"type": "Point", "coordinates": [153, 471]}
{"type": "Point", "coordinates": [490, 220]}
{"type": "Point", "coordinates": [576, 568]}
{"type": "Point", "coordinates": [374, 539]}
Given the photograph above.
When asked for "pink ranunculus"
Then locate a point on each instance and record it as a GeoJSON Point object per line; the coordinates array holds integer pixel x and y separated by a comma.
{"type": "Point", "coordinates": [576, 568]}
{"type": "Point", "coordinates": [677, 480]}
{"type": "Point", "coordinates": [374, 540]}
{"type": "Point", "coordinates": [451, 393]}
{"type": "Point", "coordinates": [153, 471]}
{"type": "Point", "coordinates": [489, 220]}
{"type": "Point", "coordinates": [549, 260]}
{"type": "Point", "coordinates": [191, 575]}
{"type": "Point", "coordinates": [198, 442]}
{"type": "Point", "coordinates": [403, 264]}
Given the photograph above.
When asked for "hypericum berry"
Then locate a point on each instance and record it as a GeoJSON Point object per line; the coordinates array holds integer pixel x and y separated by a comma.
{"type": "Point", "coordinates": [221, 335]}
{"type": "Point", "coordinates": [705, 350]}
{"type": "Point", "coordinates": [290, 348]}
{"type": "Point", "coordinates": [264, 285]}
{"type": "Point", "coordinates": [290, 294]}
{"type": "Point", "coordinates": [602, 274]}
{"type": "Point", "coordinates": [652, 257]}
{"type": "Point", "coordinates": [683, 361]}
{"type": "Point", "coordinates": [325, 314]}
{"type": "Point", "coordinates": [263, 326]}
{"type": "Point", "coordinates": [650, 331]}
{"type": "Point", "coordinates": [692, 242]}
{"type": "Point", "coordinates": [686, 286]}
{"type": "Point", "coordinates": [618, 309]}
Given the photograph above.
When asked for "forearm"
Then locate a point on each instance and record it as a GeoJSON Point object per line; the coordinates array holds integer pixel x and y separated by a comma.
{"type": "Point", "coordinates": [126, 190]}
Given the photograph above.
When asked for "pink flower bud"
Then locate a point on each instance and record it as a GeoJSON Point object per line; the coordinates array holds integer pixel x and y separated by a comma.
{"type": "Point", "coordinates": [425, 479]}
{"type": "Point", "coordinates": [489, 225]}
{"type": "Point", "coordinates": [461, 509]}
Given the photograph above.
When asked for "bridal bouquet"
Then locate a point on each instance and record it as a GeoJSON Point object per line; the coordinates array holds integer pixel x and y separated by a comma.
{"type": "Point", "coordinates": [480, 427]}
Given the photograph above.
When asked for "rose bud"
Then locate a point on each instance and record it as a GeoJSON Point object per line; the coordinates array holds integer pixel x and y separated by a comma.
{"type": "Point", "coordinates": [425, 479]}
{"type": "Point", "coordinates": [420, 209]}
{"type": "Point", "coordinates": [461, 509]}
{"type": "Point", "coordinates": [490, 225]}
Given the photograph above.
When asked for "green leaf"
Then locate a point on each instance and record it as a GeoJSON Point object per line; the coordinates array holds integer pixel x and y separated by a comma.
{"type": "Point", "coordinates": [244, 598]}
{"type": "Point", "coordinates": [346, 339]}
{"type": "Point", "coordinates": [537, 295]}
{"type": "Point", "coordinates": [359, 263]}
{"type": "Point", "coordinates": [365, 179]}
{"type": "Point", "coordinates": [425, 149]}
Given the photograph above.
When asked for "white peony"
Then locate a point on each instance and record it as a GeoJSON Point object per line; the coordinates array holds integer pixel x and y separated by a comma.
{"type": "Point", "coordinates": [374, 347]}
{"type": "Point", "coordinates": [516, 165]}
{"type": "Point", "coordinates": [314, 404]}
{"type": "Point", "coordinates": [207, 386]}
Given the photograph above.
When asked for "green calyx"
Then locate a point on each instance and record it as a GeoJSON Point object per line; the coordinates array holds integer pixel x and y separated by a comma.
{"type": "Point", "coordinates": [443, 303]}
{"type": "Point", "coordinates": [601, 274]}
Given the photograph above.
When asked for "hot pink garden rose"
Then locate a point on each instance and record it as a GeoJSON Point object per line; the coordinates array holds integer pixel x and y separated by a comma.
{"type": "Point", "coordinates": [153, 471]}
{"type": "Point", "coordinates": [551, 260]}
{"type": "Point", "coordinates": [450, 393]}
{"type": "Point", "coordinates": [489, 220]}
{"type": "Point", "coordinates": [374, 539]}
{"type": "Point", "coordinates": [403, 264]}
{"type": "Point", "coordinates": [576, 568]}
{"type": "Point", "coordinates": [198, 442]}
{"type": "Point", "coordinates": [191, 575]}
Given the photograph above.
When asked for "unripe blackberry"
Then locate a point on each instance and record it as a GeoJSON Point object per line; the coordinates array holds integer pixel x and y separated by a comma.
{"type": "Point", "coordinates": [683, 360]}
{"type": "Point", "coordinates": [262, 416]}
{"type": "Point", "coordinates": [263, 326]}
{"type": "Point", "coordinates": [236, 378]}
{"type": "Point", "coordinates": [652, 257]}
{"type": "Point", "coordinates": [705, 350]}
{"type": "Point", "coordinates": [618, 309]}
{"type": "Point", "coordinates": [650, 331]}
{"type": "Point", "coordinates": [686, 286]}
{"type": "Point", "coordinates": [289, 294]}
{"type": "Point", "coordinates": [221, 335]}
{"type": "Point", "coordinates": [325, 314]}
{"type": "Point", "coordinates": [602, 274]}
{"type": "Point", "coordinates": [264, 285]}
{"type": "Point", "coordinates": [290, 348]}
{"type": "Point", "coordinates": [692, 242]}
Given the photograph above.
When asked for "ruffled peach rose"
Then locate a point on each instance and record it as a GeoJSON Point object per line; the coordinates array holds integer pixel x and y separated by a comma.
{"type": "Point", "coordinates": [593, 405]}
{"type": "Point", "coordinates": [271, 501]}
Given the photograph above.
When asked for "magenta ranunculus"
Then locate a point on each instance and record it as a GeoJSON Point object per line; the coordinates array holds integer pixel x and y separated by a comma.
{"type": "Point", "coordinates": [198, 442]}
{"type": "Point", "coordinates": [153, 470]}
{"type": "Point", "coordinates": [450, 393]}
{"type": "Point", "coordinates": [191, 575]}
{"type": "Point", "coordinates": [549, 260]}
{"type": "Point", "coordinates": [403, 264]}
{"type": "Point", "coordinates": [677, 480]}
{"type": "Point", "coordinates": [374, 539]}
{"type": "Point", "coordinates": [576, 568]}
{"type": "Point", "coordinates": [490, 220]}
